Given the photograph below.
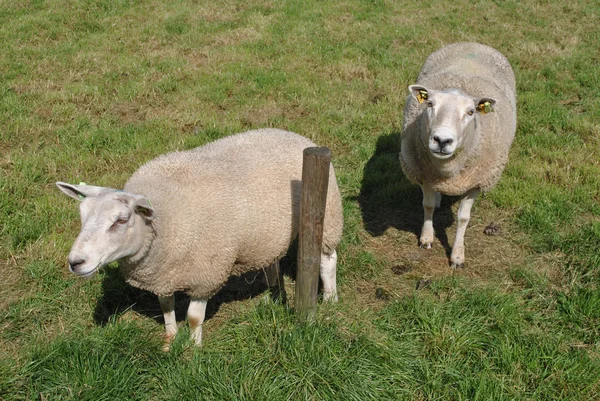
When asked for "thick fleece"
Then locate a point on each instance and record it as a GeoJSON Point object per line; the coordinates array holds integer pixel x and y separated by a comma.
{"type": "Point", "coordinates": [224, 208]}
{"type": "Point", "coordinates": [479, 71]}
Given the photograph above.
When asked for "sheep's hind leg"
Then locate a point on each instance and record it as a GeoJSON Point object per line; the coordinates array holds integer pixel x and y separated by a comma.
{"type": "Point", "coordinates": [328, 276]}
{"type": "Point", "coordinates": [195, 315]}
{"type": "Point", "coordinates": [430, 200]}
{"type": "Point", "coordinates": [274, 278]}
{"type": "Point", "coordinates": [167, 304]}
{"type": "Point", "coordinates": [457, 258]}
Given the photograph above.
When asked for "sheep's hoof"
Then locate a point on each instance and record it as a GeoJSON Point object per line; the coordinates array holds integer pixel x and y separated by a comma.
{"type": "Point", "coordinates": [455, 265]}
{"type": "Point", "coordinates": [330, 297]}
{"type": "Point", "coordinates": [426, 245]}
{"type": "Point", "coordinates": [167, 340]}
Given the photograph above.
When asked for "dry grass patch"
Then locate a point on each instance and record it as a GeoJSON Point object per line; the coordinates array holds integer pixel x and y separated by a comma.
{"type": "Point", "coordinates": [489, 259]}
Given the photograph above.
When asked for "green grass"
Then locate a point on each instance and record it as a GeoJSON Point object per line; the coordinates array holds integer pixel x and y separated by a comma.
{"type": "Point", "coordinates": [91, 90]}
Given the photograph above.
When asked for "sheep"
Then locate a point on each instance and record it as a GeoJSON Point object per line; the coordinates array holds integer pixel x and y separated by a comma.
{"type": "Point", "coordinates": [451, 143]}
{"type": "Point", "coordinates": [188, 220]}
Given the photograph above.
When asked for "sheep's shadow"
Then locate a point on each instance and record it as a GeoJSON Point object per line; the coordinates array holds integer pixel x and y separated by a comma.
{"type": "Point", "coordinates": [388, 199]}
{"type": "Point", "coordinates": [118, 296]}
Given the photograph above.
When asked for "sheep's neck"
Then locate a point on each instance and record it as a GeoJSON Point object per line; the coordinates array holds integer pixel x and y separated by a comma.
{"type": "Point", "coordinates": [134, 259]}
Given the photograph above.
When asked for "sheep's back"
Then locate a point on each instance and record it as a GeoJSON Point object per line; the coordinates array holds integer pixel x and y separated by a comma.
{"type": "Point", "coordinates": [471, 60]}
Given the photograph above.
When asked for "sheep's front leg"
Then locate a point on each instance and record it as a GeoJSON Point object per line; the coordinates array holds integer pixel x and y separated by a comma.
{"type": "Point", "coordinates": [167, 304]}
{"type": "Point", "coordinates": [457, 258]}
{"type": "Point", "coordinates": [431, 199]}
{"type": "Point", "coordinates": [328, 276]}
{"type": "Point", "coordinates": [195, 315]}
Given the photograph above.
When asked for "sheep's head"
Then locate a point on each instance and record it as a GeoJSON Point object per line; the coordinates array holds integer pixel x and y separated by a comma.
{"type": "Point", "coordinates": [114, 225]}
{"type": "Point", "coordinates": [451, 118]}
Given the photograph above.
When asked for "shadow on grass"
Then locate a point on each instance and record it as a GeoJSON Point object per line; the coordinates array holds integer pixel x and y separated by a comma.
{"type": "Point", "coordinates": [118, 296]}
{"type": "Point", "coordinates": [388, 199]}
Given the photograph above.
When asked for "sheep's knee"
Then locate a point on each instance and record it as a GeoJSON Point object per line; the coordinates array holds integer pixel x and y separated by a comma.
{"type": "Point", "coordinates": [328, 276]}
{"type": "Point", "coordinates": [167, 304]}
{"type": "Point", "coordinates": [195, 315]}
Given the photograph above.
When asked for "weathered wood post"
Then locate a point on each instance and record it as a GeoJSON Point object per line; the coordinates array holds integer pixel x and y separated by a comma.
{"type": "Point", "coordinates": [315, 180]}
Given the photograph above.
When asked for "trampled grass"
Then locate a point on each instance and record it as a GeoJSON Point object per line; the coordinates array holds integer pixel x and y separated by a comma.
{"type": "Point", "coordinates": [91, 90]}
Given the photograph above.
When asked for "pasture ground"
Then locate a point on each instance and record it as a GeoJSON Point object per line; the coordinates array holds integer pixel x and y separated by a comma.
{"type": "Point", "coordinates": [90, 90]}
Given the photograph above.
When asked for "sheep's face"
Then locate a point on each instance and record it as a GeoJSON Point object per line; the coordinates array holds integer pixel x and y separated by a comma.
{"type": "Point", "coordinates": [451, 118]}
{"type": "Point", "coordinates": [114, 225]}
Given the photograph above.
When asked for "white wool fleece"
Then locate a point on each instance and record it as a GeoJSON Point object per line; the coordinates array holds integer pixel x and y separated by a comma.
{"type": "Point", "coordinates": [224, 208]}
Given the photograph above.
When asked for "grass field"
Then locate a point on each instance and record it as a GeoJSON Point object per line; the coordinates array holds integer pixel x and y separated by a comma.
{"type": "Point", "coordinates": [92, 89]}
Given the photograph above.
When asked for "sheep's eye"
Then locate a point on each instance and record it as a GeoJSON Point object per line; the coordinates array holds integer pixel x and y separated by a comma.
{"type": "Point", "coordinates": [429, 103]}
{"type": "Point", "coordinates": [470, 112]}
{"type": "Point", "coordinates": [119, 222]}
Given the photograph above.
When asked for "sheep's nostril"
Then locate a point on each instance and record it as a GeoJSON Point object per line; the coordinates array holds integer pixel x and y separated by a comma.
{"type": "Point", "coordinates": [74, 265]}
{"type": "Point", "coordinates": [446, 142]}
{"type": "Point", "coordinates": [442, 142]}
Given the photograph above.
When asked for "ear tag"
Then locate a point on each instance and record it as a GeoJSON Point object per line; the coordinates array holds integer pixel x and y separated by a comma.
{"type": "Point", "coordinates": [422, 96]}
{"type": "Point", "coordinates": [484, 107]}
{"type": "Point", "coordinates": [81, 197]}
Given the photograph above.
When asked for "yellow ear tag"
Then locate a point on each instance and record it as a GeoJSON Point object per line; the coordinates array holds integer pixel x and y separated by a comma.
{"type": "Point", "coordinates": [422, 96]}
{"type": "Point", "coordinates": [484, 107]}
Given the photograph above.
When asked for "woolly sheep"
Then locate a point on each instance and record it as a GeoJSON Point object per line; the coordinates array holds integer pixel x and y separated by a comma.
{"type": "Point", "coordinates": [450, 143]}
{"type": "Point", "coordinates": [186, 221]}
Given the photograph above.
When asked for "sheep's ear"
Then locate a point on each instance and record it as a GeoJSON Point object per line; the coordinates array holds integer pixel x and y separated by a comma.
{"type": "Point", "coordinates": [485, 104]}
{"type": "Point", "coordinates": [139, 203]}
{"type": "Point", "coordinates": [419, 92]}
{"type": "Point", "coordinates": [142, 206]}
{"type": "Point", "coordinates": [81, 191]}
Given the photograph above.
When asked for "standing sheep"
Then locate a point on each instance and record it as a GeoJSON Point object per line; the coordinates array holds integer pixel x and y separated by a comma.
{"type": "Point", "coordinates": [451, 142]}
{"type": "Point", "coordinates": [186, 221]}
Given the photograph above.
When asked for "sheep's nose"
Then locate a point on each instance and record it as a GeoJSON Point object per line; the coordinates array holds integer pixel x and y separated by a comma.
{"type": "Point", "coordinates": [442, 142]}
{"type": "Point", "coordinates": [74, 265]}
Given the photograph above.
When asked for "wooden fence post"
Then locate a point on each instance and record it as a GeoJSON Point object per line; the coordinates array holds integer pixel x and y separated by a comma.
{"type": "Point", "coordinates": [315, 179]}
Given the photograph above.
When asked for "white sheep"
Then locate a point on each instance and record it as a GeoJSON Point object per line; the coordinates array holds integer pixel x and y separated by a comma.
{"type": "Point", "coordinates": [186, 221]}
{"type": "Point", "coordinates": [459, 123]}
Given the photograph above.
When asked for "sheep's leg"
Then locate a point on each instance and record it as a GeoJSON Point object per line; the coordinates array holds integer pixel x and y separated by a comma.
{"type": "Point", "coordinates": [457, 258]}
{"type": "Point", "coordinates": [438, 200]}
{"type": "Point", "coordinates": [275, 281]}
{"type": "Point", "coordinates": [429, 203]}
{"type": "Point", "coordinates": [272, 274]}
{"type": "Point", "coordinates": [328, 276]}
{"type": "Point", "coordinates": [195, 315]}
{"type": "Point", "coordinates": [167, 304]}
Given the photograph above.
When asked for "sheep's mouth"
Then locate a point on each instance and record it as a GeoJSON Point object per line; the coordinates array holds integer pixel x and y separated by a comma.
{"type": "Point", "coordinates": [89, 274]}
{"type": "Point", "coordinates": [440, 154]}
{"type": "Point", "coordinates": [86, 273]}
